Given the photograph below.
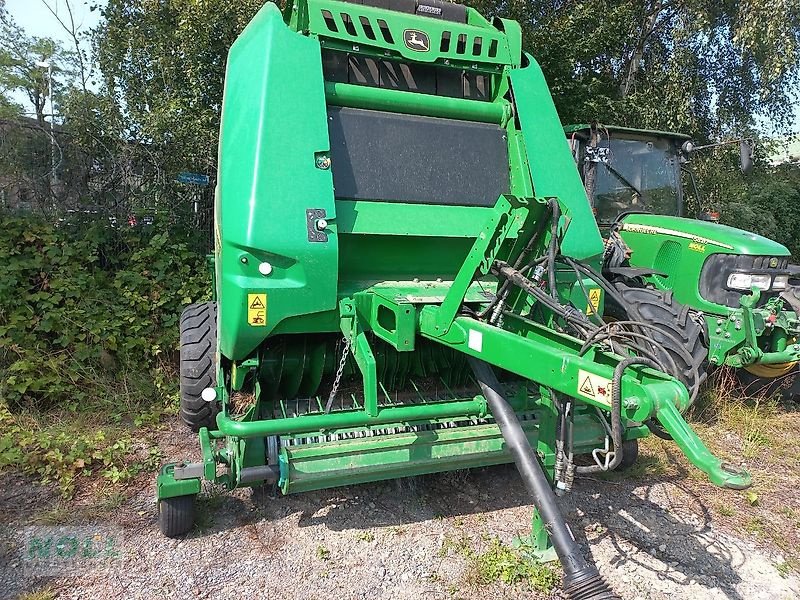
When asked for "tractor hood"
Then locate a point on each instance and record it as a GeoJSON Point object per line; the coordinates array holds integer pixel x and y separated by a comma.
{"type": "Point", "coordinates": [726, 239]}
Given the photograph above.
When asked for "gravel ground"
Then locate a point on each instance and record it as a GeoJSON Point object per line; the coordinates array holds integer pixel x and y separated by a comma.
{"type": "Point", "coordinates": [397, 539]}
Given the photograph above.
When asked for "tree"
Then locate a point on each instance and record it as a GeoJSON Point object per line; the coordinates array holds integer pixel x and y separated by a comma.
{"type": "Point", "coordinates": [704, 67]}
{"type": "Point", "coordinates": [20, 57]}
{"type": "Point", "coordinates": [165, 64]}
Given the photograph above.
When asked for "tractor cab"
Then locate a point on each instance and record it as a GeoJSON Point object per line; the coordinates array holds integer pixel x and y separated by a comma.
{"type": "Point", "coordinates": [629, 170]}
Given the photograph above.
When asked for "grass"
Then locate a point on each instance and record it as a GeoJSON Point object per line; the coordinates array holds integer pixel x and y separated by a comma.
{"type": "Point", "coordinates": [206, 507]}
{"type": "Point", "coordinates": [763, 434]}
{"type": "Point", "coordinates": [46, 593]}
{"type": "Point", "coordinates": [366, 536]}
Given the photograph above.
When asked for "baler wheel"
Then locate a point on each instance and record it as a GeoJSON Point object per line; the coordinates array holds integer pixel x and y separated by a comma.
{"type": "Point", "coordinates": [659, 308]}
{"type": "Point", "coordinates": [176, 515]}
{"type": "Point", "coordinates": [198, 364]}
{"type": "Point", "coordinates": [630, 452]}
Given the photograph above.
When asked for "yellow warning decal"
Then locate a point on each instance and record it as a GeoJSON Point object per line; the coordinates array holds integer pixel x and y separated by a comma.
{"type": "Point", "coordinates": [594, 299]}
{"type": "Point", "coordinates": [594, 387]}
{"type": "Point", "coordinates": [257, 310]}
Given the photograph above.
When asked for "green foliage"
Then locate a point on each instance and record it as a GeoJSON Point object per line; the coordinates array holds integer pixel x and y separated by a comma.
{"type": "Point", "coordinates": [19, 54]}
{"type": "Point", "coordinates": [88, 329]}
{"type": "Point", "coordinates": [695, 66]}
{"type": "Point", "coordinates": [166, 62]}
{"type": "Point", "coordinates": [79, 304]}
{"type": "Point", "coordinates": [501, 563]}
{"type": "Point", "coordinates": [62, 452]}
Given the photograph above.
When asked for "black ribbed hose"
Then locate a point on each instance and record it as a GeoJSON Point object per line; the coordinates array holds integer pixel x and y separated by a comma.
{"type": "Point", "coordinates": [582, 581]}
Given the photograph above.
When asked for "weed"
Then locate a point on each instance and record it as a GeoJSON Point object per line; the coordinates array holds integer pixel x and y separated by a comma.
{"type": "Point", "coordinates": [784, 569]}
{"type": "Point", "coordinates": [756, 526]}
{"type": "Point", "coordinates": [461, 545]}
{"type": "Point", "coordinates": [725, 510]}
{"type": "Point", "coordinates": [112, 499]}
{"type": "Point", "coordinates": [46, 593]}
{"type": "Point", "coordinates": [323, 553]}
{"type": "Point", "coordinates": [501, 563]}
{"type": "Point", "coordinates": [206, 506]}
{"type": "Point", "coordinates": [57, 515]}
{"type": "Point", "coordinates": [366, 536]}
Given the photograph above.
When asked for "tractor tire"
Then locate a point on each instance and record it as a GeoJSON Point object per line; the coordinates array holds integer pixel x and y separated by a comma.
{"type": "Point", "coordinates": [176, 515]}
{"type": "Point", "coordinates": [198, 364]}
{"type": "Point", "coordinates": [770, 381]}
{"type": "Point", "coordinates": [659, 308]}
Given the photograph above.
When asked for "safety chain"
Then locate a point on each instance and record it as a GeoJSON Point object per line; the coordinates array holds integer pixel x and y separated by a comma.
{"type": "Point", "coordinates": [338, 378]}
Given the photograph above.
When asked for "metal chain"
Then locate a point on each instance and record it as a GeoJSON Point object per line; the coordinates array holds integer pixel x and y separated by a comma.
{"type": "Point", "coordinates": [338, 378]}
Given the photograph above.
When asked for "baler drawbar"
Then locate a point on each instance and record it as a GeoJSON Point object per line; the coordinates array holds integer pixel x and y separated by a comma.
{"type": "Point", "coordinates": [406, 274]}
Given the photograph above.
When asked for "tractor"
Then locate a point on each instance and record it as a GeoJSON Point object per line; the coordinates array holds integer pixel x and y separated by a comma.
{"type": "Point", "coordinates": [407, 276]}
{"type": "Point", "coordinates": [738, 283]}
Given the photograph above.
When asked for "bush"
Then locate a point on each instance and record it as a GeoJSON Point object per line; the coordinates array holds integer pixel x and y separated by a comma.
{"type": "Point", "coordinates": [84, 304]}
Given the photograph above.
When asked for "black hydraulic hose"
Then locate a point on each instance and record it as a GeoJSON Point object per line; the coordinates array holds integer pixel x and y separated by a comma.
{"type": "Point", "coordinates": [553, 248]}
{"type": "Point", "coordinates": [616, 411]}
{"type": "Point", "coordinates": [582, 581]}
{"type": "Point", "coordinates": [502, 292]}
{"type": "Point", "coordinates": [573, 316]}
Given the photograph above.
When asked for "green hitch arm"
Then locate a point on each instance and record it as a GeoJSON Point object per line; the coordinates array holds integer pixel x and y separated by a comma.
{"type": "Point", "coordinates": [719, 473]}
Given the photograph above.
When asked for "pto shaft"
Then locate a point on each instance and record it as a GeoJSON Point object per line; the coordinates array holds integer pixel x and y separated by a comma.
{"type": "Point", "coordinates": [582, 581]}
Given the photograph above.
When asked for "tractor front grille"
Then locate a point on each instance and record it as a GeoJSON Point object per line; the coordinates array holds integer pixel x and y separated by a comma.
{"type": "Point", "coordinates": [717, 268]}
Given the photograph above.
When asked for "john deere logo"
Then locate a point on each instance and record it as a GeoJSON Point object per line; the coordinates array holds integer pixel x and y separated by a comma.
{"type": "Point", "coordinates": [417, 40]}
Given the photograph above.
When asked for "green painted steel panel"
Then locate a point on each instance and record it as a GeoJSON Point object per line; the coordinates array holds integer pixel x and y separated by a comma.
{"type": "Point", "coordinates": [551, 163]}
{"type": "Point", "coordinates": [267, 180]}
{"type": "Point", "coordinates": [655, 241]}
{"type": "Point", "coordinates": [356, 461]}
{"type": "Point", "coordinates": [397, 22]}
{"type": "Point", "coordinates": [722, 238]}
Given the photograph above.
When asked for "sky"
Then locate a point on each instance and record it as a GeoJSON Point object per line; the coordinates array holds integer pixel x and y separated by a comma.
{"type": "Point", "coordinates": [35, 19]}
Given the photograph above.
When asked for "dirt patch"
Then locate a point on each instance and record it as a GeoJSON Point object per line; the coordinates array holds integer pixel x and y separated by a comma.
{"type": "Point", "coordinates": [661, 531]}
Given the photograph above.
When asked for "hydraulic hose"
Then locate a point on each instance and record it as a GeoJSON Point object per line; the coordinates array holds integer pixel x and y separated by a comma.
{"type": "Point", "coordinates": [582, 581]}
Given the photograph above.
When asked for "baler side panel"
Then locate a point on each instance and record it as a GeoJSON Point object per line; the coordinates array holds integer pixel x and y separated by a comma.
{"type": "Point", "coordinates": [551, 163]}
{"type": "Point", "coordinates": [274, 130]}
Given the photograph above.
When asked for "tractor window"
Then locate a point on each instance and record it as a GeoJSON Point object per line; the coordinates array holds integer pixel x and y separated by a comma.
{"type": "Point", "coordinates": [635, 174]}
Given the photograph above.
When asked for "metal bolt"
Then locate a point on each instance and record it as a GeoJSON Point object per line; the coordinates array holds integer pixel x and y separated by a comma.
{"type": "Point", "coordinates": [243, 260]}
{"type": "Point", "coordinates": [438, 280]}
{"type": "Point", "coordinates": [733, 317]}
{"type": "Point", "coordinates": [719, 321]}
{"type": "Point", "coordinates": [713, 360]}
{"type": "Point", "coordinates": [727, 335]}
{"type": "Point", "coordinates": [209, 394]}
{"type": "Point", "coordinates": [631, 403]}
{"type": "Point", "coordinates": [323, 162]}
{"type": "Point", "coordinates": [738, 325]}
{"type": "Point", "coordinates": [265, 268]}
{"type": "Point", "coordinates": [322, 224]}
{"type": "Point", "coordinates": [719, 330]}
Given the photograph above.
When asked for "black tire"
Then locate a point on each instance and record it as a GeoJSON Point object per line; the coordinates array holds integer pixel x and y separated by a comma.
{"type": "Point", "coordinates": [786, 386]}
{"type": "Point", "coordinates": [176, 515]}
{"type": "Point", "coordinates": [659, 308]}
{"type": "Point", "coordinates": [630, 453]}
{"type": "Point", "coordinates": [198, 364]}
